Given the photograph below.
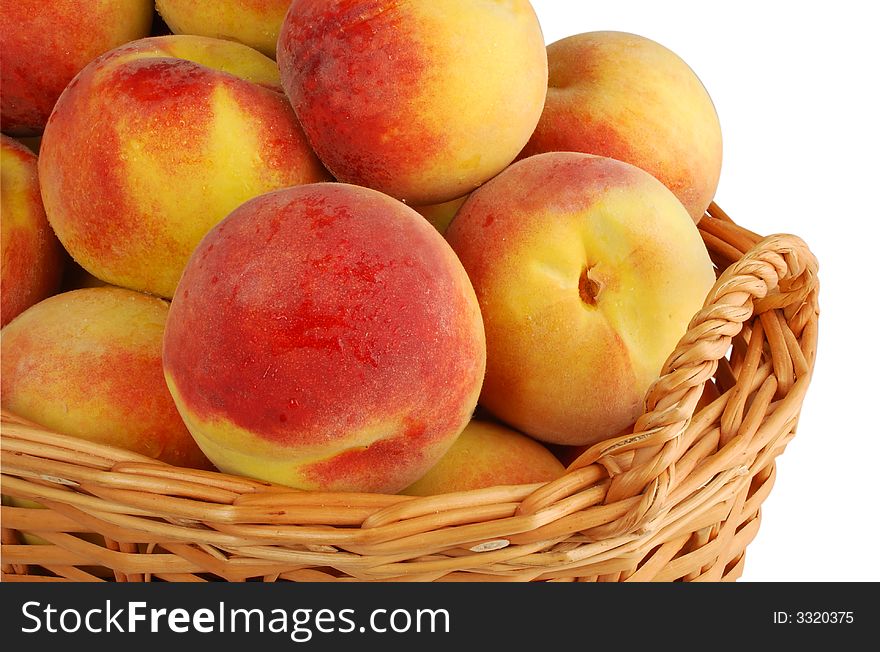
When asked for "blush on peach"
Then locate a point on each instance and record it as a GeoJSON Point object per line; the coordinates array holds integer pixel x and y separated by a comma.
{"type": "Point", "coordinates": [45, 43]}
{"type": "Point", "coordinates": [88, 363]}
{"type": "Point", "coordinates": [325, 337]}
{"type": "Point", "coordinates": [32, 259]}
{"type": "Point", "coordinates": [421, 100]}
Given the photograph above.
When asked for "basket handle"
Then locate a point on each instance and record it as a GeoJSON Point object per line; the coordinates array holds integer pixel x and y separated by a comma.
{"type": "Point", "coordinates": [778, 272]}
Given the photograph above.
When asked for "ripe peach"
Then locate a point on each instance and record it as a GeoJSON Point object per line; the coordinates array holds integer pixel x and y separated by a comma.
{"type": "Point", "coordinates": [44, 43]}
{"type": "Point", "coordinates": [31, 259]}
{"type": "Point", "coordinates": [587, 271]}
{"type": "Point", "coordinates": [154, 143]}
{"type": "Point", "coordinates": [487, 454]}
{"type": "Point", "coordinates": [626, 97]}
{"type": "Point", "coordinates": [88, 363]}
{"type": "Point", "coordinates": [325, 337]}
{"type": "Point", "coordinates": [421, 100]}
{"type": "Point", "coordinates": [255, 23]}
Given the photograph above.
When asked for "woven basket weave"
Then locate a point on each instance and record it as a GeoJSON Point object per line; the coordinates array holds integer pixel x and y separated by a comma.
{"type": "Point", "coordinates": [678, 499]}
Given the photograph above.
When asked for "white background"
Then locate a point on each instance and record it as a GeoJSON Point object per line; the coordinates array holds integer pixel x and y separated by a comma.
{"type": "Point", "coordinates": [795, 85]}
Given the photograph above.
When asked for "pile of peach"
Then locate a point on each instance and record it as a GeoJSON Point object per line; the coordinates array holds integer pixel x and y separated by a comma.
{"type": "Point", "coordinates": [308, 242]}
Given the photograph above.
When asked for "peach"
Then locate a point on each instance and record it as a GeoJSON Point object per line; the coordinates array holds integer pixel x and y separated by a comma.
{"type": "Point", "coordinates": [587, 271]}
{"type": "Point", "coordinates": [88, 363]}
{"type": "Point", "coordinates": [440, 215]}
{"type": "Point", "coordinates": [325, 337]}
{"type": "Point", "coordinates": [626, 97]}
{"type": "Point", "coordinates": [255, 23]}
{"type": "Point", "coordinates": [421, 100]}
{"type": "Point", "coordinates": [31, 259]}
{"type": "Point", "coordinates": [154, 143]}
{"type": "Point", "coordinates": [43, 44]}
{"type": "Point", "coordinates": [487, 454]}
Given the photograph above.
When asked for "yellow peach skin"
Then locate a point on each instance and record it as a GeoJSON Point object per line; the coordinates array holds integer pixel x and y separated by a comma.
{"type": "Point", "coordinates": [88, 363]}
{"type": "Point", "coordinates": [440, 215]}
{"type": "Point", "coordinates": [421, 100]}
{"type": "Point", "coordinates": [255, 23]}
{"type": "Point", "coordinates": [487, 454]}
{"type": "Point", "coordinates": [587, 271]}
{"type": "Point", "coordinates": [157, 141]}
{"type": "Point", "coordinates": [44, 43]}
{"type": "Point", "coordinates": [31, 259]}
{"type": "Point", "coordinates": [626, 97]}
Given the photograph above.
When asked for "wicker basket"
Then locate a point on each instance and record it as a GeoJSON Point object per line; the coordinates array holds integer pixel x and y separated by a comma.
{"type": "Point", "coordinates": [679, 499]}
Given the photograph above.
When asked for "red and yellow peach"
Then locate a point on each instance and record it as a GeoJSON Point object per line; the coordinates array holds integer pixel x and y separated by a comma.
{"type": "Point", "coordinates": [587, 271]}
{"type": "Point", "coordinates": [626, 97]}
{"type": "Point", "coordinates": [325, 337]}
{"type": "Point", "coordinates": [421, 100]}
{"type": "Point", "coordinates": [45, 43]}
{"type": "Point", "coordinates": [157, 141]}
{"type": "Point", "coordinates": [31, 260]}
{"type": "Point", "coordinates": [88, 363]}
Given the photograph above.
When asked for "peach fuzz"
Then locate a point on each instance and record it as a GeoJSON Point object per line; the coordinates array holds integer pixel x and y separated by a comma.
{"type": "Point", "coordinates": [421, 100]}
{"type": "Point", "coordinates": [45, 43]}
{"type": "Point", "coordinates": [325, 337]}
{"type": "Point", "coordinates": [487, 454]}
{"type": "Point", "coordinates": [154, 143]}
{"type": "Point", "coordinates": [255, 23]}
{"type": "Point", "coordinates": [88, 363]}
{"type": "Point", "coordinates": [587, 271]}
{"type": "Point", "coordinates": [31, 259]}
{"type": "Point", "coordinates": [626, 97]}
